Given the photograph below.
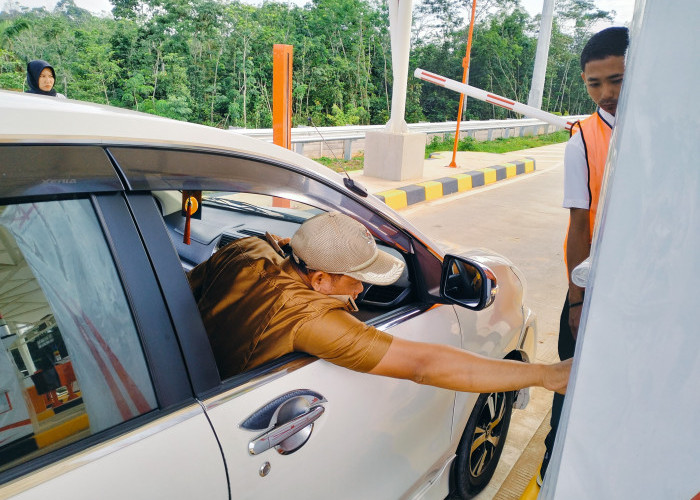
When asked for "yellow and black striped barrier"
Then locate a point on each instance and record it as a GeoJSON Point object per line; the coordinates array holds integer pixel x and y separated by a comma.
{"type": "Point", "coordinates": [430, 190]}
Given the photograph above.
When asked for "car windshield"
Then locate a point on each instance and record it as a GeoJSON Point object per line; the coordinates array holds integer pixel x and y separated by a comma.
{"type": "Point", "coordinates": [265, 205]}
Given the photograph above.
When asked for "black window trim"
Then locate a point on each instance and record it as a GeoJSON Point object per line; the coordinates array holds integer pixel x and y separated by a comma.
{"type": "Point", "coordinates": [124, 174]}
{"type": "Point", "coordinates": [62, 182]}
{"type": "Point", "coordinates": [161, 349]}
{"type": "Point", "coordinates": [184, 314]}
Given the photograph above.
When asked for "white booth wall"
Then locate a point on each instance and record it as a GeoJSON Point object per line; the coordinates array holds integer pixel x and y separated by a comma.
{"type": "Point", "coordinates": [631, 421]}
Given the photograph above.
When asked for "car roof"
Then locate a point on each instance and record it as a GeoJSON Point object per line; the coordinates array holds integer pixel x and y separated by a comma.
{"type": "Point", "coordinates": [28, 118]}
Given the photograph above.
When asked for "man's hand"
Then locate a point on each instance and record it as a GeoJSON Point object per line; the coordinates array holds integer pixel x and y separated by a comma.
{"type": "Point", "coordinates": [556, 376]}
{"type": "Point", "coordinates": [277, 242]}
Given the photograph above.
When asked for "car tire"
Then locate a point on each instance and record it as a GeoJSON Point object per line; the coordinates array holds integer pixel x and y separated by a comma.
{"type": "Point", "coordinates": [482, 443]}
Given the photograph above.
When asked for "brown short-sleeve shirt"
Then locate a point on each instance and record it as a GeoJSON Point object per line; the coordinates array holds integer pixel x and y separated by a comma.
{"type": "Point", "coordinates": [256, 308]}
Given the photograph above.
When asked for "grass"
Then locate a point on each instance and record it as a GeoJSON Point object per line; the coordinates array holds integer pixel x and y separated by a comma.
{"type": "Point", "coordinates": [466, 144]}
{"type": "Point", "coordinates": [498, 145]}
{"type": "Point", "coordinates": [338, 164]}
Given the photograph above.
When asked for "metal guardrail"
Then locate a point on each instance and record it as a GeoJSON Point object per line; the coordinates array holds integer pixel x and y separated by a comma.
{"type": "Point", "coordinates": [349, 137]}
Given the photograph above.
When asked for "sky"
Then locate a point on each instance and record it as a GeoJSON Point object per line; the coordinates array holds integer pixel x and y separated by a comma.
{"type": "Point", "coordinates": [623, 8]}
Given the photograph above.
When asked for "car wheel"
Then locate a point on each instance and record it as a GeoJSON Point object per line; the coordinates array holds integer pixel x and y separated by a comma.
{"type": "Point", "coordinates": [481, 444]}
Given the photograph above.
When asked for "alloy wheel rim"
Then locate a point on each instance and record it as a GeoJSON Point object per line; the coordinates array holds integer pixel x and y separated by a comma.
{"type": "Point", "coordinates": [487, 434]}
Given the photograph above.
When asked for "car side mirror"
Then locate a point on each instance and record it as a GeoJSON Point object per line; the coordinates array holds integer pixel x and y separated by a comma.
{"type": "Point", "coordinates": [467, 283]}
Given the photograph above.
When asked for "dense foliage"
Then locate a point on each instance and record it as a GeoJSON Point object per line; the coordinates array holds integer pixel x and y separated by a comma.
{"type": "Point", "coordinates": [210, 61]}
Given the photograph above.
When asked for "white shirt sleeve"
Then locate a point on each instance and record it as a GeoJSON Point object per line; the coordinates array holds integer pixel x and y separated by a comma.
{"type": "Point", "coordinates": [575, 174]}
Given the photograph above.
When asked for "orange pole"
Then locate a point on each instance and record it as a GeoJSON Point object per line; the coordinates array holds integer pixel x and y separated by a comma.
{"type": "Point", "coordinates": [282, 95]}
{"type": "Point", "coordinates": [465, 64]}
{"type": "Point", "coordinates": [282, 56]}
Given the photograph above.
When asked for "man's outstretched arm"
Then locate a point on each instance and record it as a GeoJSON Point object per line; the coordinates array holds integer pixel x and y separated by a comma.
{"type": "Point", "coordinates": [452, 368]}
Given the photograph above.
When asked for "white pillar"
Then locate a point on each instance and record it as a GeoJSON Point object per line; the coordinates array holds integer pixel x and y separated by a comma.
{"type": "Point", "coordinates": [400, 30]}
{"type": "Point", "coordinates": [26, 356]}
{"type": "Point", "coordinates": [394, 153]}
{"type": "Point", "coordinates": [538, 74]}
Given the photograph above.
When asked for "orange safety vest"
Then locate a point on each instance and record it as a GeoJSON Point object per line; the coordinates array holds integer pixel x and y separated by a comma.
{"type": "Point", "coordinates": [595, 135]}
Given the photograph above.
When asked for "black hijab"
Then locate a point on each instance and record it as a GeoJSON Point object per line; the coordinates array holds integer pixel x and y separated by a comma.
{"type": "Point", "coordinates": [34, 69]}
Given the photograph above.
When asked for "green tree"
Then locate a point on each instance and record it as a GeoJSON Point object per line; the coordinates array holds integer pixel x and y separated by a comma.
{"type": "Point", "coordinates": [210, 61]}
{"type": "Point", "coordinates": [136, 90]}
{"type": "Point", "coordinates": [12, 69]}
{"type": "Point", "coordinates": [93, 71]}
{"type": "Point", "coordinates": [502, 61]}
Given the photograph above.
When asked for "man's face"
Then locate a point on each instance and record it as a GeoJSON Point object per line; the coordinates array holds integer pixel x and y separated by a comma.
{"type": "Point", "coordinates": [336, 284]}
{"type": "Point", "coordinates": [603, 79]}
{"type": "Point", "coordinates": [46, 80]}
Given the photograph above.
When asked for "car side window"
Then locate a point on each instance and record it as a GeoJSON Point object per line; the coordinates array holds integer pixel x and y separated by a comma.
{"type": "Point", "coordinates": [71, 362]}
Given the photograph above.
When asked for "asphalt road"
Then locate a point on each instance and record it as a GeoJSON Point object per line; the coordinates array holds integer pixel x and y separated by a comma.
{"type": "Point", "coordinates": [522, 219]}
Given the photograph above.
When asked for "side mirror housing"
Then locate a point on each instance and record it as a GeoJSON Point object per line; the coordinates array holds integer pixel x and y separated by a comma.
{"type": "Point", "coordinates": [467, 283]}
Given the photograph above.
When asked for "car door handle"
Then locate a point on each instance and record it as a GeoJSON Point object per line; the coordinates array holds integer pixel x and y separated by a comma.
{"type": "Point", "coordinates": [292, 434]}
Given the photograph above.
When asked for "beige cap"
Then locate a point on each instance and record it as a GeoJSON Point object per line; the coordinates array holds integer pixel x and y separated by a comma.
{"type": "Point", "coordinates": [338, 244]}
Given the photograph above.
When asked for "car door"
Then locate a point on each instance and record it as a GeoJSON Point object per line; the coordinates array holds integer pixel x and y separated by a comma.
{"type": "Point", "coordinates": [106, 407]}
{"type": "Point", "coordinates": [372, 437]}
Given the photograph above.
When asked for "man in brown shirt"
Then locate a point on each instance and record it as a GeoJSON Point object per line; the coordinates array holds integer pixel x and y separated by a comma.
{"type": "Point", "coordinates": [258, 308]}
{"type": "Point", "coordinates": [257, 305]}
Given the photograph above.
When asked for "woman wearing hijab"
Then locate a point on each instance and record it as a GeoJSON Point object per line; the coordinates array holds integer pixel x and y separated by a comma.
{"type": "Point", "coordinates": [41, 78]}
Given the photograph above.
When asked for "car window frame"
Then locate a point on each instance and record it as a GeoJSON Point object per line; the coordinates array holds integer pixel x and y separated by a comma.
{"type": "Point", "coordinates": [163, 354]}
{"type": "Point", "coordinates": [186, 320]}
{"type": "Point", "coordinates": [213, 173]}
{"type": "Point", "coordinates": [137, 176]}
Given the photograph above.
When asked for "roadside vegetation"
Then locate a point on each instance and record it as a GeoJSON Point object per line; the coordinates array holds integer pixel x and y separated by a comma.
{"type": "Point", "coordinates": [499, 145]}
{"type": "Point", "coordinates": [210, 61]}
{"type": "Point", "coordinates": [466, 144]}
{"type": "Point", "coordinates": [340, 164]}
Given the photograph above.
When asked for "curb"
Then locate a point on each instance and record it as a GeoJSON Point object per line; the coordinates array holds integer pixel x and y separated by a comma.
{"type": "Point", "coordinates": [531, 490]}
{"type": "Point", "coordinates": [430, 190]}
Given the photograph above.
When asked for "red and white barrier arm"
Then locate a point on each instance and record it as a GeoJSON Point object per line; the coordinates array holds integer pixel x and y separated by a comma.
{"type": "Point", "coordinates": [498, 100]}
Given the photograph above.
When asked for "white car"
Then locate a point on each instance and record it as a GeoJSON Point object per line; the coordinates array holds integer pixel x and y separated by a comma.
{"type": "Point", "coordinates": [110, 386]}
